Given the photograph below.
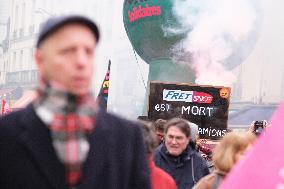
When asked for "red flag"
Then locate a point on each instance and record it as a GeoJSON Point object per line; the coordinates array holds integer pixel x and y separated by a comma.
{"type": "Point", "coordinates": [5, 107]}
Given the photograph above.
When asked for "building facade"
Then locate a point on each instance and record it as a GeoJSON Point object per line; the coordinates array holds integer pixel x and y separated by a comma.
{"type": "Point", "coordinates": [20, 24]}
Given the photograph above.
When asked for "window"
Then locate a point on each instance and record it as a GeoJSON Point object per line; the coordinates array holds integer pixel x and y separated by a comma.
{"type": "Point", "coordinates": [16, 20]}
{"type": "Point", "coordinates": [23, 18]}
{"type": "Point", "coordinates": [21, 60]}
{"type": "Point", "coordinates": [30, 66]}
{"type": "Point", "coordinates": [14, 61]}
{"type": "Point", "coordinates": [31, 29]}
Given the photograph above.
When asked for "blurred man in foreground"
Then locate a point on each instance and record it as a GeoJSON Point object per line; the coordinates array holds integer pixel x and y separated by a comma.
{"type": "Point", "coordinates": [63, 140]}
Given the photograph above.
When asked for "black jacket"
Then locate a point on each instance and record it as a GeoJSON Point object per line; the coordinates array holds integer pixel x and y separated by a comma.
{"type": "Point", "coordinates": [116, 159]}
{"type": "Point", "coordinates": [180, 167]}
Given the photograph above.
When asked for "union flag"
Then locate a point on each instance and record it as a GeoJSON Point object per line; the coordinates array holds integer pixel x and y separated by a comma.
{"type": "Point", "coordinates": [103, 95]}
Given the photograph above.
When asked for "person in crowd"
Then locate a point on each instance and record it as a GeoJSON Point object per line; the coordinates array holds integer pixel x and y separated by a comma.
{"type": "Point", "coordinates": [159, 178]}
{"type": "Point", "coordinates": [178, 158]}
{"type": "Point", "coordinates": [63, 140]}
{"type": "Point", "coordinates": [159, 125]}
{"type": "Point", "coordinates": [205, 150]}
{"type": "Point", "coordinates": [230, 149]}
{"type": "Point", "coordinates": [193, 134]}
{"type": "Point", "coordinates": [193, 131]}
{"type": "Point", "coordinates": [200, 145]}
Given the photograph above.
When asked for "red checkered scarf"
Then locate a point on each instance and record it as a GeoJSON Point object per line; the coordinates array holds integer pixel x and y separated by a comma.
{"type": "Point", "coordinates": [70, 119]}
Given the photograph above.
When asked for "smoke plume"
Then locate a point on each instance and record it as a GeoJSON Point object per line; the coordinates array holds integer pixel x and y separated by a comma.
{"type": "Point", "coordinates": [216, 30]}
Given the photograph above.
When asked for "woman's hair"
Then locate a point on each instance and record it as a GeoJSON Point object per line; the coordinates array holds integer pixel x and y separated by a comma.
{"type": "Point", "coordinates": [180, 123]}
{"type": "Point", "coordinates": [149, 136]}
{"type": "Point", "coordinates": [224, 154]}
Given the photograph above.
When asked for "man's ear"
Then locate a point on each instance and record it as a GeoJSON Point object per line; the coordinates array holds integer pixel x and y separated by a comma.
{"type": "Point", "coordinates": [39, 61]}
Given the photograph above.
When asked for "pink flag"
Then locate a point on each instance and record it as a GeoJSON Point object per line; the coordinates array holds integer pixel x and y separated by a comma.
{"type": "Point", "coordinates": [263, 166]}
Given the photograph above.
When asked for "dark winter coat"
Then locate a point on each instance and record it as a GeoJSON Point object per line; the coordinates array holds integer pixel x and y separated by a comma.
{"type": "Point", "coordinates": [116, 160]}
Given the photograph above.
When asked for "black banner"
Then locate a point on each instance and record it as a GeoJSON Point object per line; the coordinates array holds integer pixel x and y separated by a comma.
{"type": "Point", "coordinates": [206, 106]}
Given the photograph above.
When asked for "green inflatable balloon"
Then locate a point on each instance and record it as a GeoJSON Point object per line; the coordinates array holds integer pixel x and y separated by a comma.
{"type": "Point", "coordinates": [157, 32]}
{"type": "Point", "coordinates": [145, 22]}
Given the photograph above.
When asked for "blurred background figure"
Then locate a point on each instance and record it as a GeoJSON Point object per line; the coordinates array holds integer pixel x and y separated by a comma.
{"type": "Point", "coordinates": [230, 149]}
{"type": "Point", "coordinates": [177, 157]}
{"type": "Point", "coordinates": [159, 125]}
{"type": "Point", "coordinates": [159, 178]}
{"type": "Point", "coordinates": [205, 150]}
{"type": "Point", "coordinates": [200, 145]}
{"type": "Point", "coordinates": [193, 134]}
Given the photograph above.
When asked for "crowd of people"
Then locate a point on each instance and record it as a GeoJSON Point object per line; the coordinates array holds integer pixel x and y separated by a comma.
{"type": "Point", "coordinates": [193, 163]}
{"type": "Point", "coordinates": [64, 140]}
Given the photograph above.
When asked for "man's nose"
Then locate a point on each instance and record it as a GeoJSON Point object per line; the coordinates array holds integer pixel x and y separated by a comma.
{"type": "Point", "coordinates": [174, 141]}
{"type": "Point", "coordinates": [82, 58]}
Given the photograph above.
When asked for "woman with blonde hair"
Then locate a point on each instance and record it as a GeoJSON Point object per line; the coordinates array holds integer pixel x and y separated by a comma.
{"type": "Point", "coordinates": [225, 155]}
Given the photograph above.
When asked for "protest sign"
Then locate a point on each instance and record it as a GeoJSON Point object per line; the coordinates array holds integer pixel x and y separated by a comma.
{"type": "Point", "coordinates": [206, 106]}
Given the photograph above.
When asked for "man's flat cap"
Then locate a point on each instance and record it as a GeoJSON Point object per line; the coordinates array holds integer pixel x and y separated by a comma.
{"type": "Point", "coordinates": [54, 23]}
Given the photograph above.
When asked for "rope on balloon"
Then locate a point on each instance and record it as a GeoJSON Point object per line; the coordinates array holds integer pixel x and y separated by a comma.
{"type": "Point", "coordinates": [142, 78]}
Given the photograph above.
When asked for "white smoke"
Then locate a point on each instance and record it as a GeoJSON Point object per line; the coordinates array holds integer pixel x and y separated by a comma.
{"type": "Point", "coordinates": [215, 28]}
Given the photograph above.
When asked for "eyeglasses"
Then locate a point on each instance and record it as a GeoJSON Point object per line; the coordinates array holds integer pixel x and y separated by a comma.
{"type": "Point", "coordinates": [176, 138]}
